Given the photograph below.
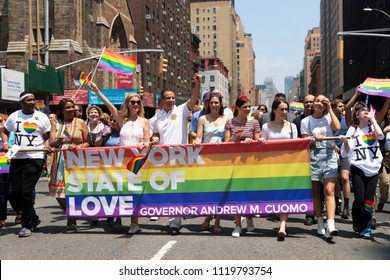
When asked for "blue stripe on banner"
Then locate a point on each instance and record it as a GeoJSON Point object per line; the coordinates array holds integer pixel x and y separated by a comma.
{"type": "Point", "coordinates": [240, 197]}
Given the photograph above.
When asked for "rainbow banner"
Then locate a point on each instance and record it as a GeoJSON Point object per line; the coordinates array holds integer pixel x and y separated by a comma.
{"type": "Point", "coordinates": [376, 87]}
{"type": "Point", "coordinates": [182, 180]}
{"type": "Point", "coordinates": [296, 107]}
{"type": "Point", "coordinates": [4, 166]}
{"type": "Point", "coordinates": [117, 63]}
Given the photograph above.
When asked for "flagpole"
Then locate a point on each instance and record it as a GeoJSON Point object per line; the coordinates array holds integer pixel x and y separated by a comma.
{"type": "Point", "coordinates": [93, 74]}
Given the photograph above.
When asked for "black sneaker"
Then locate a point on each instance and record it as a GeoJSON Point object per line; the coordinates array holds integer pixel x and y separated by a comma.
{"type": "Point", "coordinates": [174, 231]}
{"type": "Point", "coordinates": [35, 224]}
{"type": "Point", "coordinates": [345, 214]}
{"type": "Point", "coordinates": [309, 221]}
{"type": "Point", "coordinates": [379, 208]}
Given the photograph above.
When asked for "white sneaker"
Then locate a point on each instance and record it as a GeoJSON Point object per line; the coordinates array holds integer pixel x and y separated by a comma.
{"type": "Point", "coordinates": [320, 226]}
{"type": "Point", "coordinates": [153, 219]}
{"type": "Point", "coordinates": [250, 226]}
{"type": "Point", "coordinates": [237, 232]}
{"type": "Point", "coordinates": [134, 228]}
{"type": "Point", "coordinates": [331, 230]}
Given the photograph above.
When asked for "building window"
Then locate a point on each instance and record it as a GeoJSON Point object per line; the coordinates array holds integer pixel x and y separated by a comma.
{"type": "Point", "coordinates": [214, 27]}
{"type": "Point", "coordinates": [197, 11]}
{"type": "Point", "coordinates": [212, 78]}
{"type": "Point", "coordinates": [203, 79]}
{"type": "Point", "coordinates": [197, 19]}
{"type": "Point", "coordinates": [214, 10]}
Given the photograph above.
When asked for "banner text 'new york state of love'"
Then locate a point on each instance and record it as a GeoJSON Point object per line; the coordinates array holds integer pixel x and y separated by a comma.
{"type": "Point", "coordinates": [187, 180]}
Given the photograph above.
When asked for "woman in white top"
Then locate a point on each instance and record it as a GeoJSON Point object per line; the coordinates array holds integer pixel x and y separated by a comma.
{"type": "Point", "coordinates": [323, 159]}
{"type": "Point", "coordinates": [95, 126]}
{"type": "Point", "coordinates": [211, 129]}
{"type": "Point", "coordinates": [277, 129]}
{"type": "Point", "coordinates": [365, 158]}
{"type": "Point", "coordinates": [134, 128]}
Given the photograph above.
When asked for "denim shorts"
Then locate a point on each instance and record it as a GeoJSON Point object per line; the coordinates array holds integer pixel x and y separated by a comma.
{"type": "Point", "coordinates": [323, 164]}
{"type": "Point", "coordinates": [344, 164]}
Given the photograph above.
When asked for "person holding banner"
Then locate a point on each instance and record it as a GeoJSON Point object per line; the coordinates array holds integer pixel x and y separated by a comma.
{"type": "Point", "coordinates": [323, 157]}
{"type": "Point", "coordinates": [242, 129]}
{"type": "Point", "coordinates": [134, 128]}
{"type": "Point", "coordinates": [95, 126]}
{"type": "Point", "coordinates": [365, 158]}
{"type": "Point", "coordinates": [6, 193]}
{"type": "Point", "coordinates": [279, 128]}
{"type": "Point", "coordinates": [170, 127]}
{"type": "Point", "coordinates": [31, 128]}
{"type": "Point", "coordinates": [211, 129]}
{"type": "Point", "coordinates": [67, 132]}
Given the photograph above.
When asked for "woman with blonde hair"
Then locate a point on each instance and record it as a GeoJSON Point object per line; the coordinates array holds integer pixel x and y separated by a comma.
{"type": "Point", "coordinates": [134, 128]}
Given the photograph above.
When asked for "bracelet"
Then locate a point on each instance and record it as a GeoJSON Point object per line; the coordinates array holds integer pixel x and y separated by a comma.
{"type": "Point", "coordinates": [5, 143]}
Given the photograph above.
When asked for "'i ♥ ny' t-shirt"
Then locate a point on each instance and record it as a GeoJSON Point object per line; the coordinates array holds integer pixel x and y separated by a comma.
{"type": "Point", "coordinates": [364, 152]}
{"type": "Point", "coordinates": [29, 132]}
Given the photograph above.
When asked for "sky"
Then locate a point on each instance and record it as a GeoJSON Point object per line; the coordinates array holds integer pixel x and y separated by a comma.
{"type": "Point", "coordinates": [278, 29]}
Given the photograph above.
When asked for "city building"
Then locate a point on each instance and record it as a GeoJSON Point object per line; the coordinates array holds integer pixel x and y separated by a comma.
{"type": "Point", "coordinates": [288, 81]}
{"type": "Point", "coordinates": [215, 76]}
{"type": "Point", "coordinates": [75, 32]}
{"type": "Point", "coordinates": [164, 25]}
{"type": "Point", "coordinates": [215, 24]}
{"type": "Point", "coordinates": [315, 76]}
{"type": "Point", "coordinates": [245, 64]}
{"type": "Point", "coordinates": [363, 56]}
{"type": "Point", "coordinates": [312, 47]}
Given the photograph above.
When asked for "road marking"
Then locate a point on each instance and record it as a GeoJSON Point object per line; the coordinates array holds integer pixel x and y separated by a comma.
{"type": "Point", "coordinates": [165, 249]}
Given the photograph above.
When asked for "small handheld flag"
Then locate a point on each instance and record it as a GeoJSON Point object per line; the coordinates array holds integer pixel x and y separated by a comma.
{"type": "Point", "coordinates": [79, 78]}
{"type": "Point", "coordinates": [136, 163]}
{"type": "Point", "coordinates": [297, 107]}
{"type": "Point", "coordinates": [117, 63]}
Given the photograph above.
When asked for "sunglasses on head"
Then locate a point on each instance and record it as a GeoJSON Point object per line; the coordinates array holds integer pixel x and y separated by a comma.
{"type": "Point", "coordinates": [133, 102]}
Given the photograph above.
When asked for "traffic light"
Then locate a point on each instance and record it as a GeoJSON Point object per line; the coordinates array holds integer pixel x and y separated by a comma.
{"type": "Point", "coordinates": [141, 90]}
{"type": "Point", "coordinates": [163, 65]}
{"type": "Point", "coordinates": [340, 48]}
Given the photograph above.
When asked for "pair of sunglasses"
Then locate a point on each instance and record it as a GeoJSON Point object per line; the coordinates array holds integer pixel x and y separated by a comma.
{"type": "Point", "coordinates": [133, 102]}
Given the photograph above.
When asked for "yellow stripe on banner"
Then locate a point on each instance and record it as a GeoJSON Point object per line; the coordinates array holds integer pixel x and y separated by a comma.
{"type": "Point", "coordinates": [208, 172]}
{"type": "Point", "coordinates": [223, 160]}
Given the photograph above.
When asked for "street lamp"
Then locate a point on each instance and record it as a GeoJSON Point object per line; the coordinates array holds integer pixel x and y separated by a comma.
{"type": "Point", "coordinates": [368, 9]}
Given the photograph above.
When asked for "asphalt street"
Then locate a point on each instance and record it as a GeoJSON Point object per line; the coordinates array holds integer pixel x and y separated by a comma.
{"type": "Point", "coordinates": [106, 242]}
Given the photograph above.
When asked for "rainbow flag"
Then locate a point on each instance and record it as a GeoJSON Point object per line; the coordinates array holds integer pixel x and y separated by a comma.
{"type": "Point", "coordinates": [136, 163]}
{"type": "Point", "coordinates": [117, 63]}
{"type": "Point", "coordinates": [79, 78]}
{"type": "Point", "coordinates": [296, 107]}
{"type": "Point", "coordinates": [180, 180]}
{"type": "Point", "coordinates": [40, 104]}
{"type": "Point", "coordinates": [375, 87]}
{"type": "Point", "coordinates": [4, 166]}
{"type": "Point", "coordinates": [67, 133]}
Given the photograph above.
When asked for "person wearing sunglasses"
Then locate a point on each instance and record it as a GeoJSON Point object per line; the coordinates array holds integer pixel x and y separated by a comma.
{"type": "Point", "coordinates": [134, 128]}
{"type": "Point", "coordinates": [364, 155]}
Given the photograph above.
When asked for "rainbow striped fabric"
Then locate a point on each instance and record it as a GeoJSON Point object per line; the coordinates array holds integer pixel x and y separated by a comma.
{"type": "Point", "coordinates": [79, 78]}
{"type": "Point", "coordinates": [376, 87]}
{"type": "Point", "coordinates": [117, 63]}
{"type": "Point", "coordinates": [211, 179]}
{"type": "Point", "coordinates": [136, 163]}
{"type": "Point", "coordinates": [296, 107]}
{"type": "Point", "coordinates": [4, 166]}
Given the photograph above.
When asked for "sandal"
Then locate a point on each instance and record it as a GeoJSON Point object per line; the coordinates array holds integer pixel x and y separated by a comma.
{"type": "Point", "coordinates": [18, 218]}
{"type": "Point", "coordinates": [2, 224]}
{"type": "Point", "coordinates": [206, 226]}
{"type": "Point", "coordinates": [70, 229]}
{"type": "Point", "coordinates": [217, 230]}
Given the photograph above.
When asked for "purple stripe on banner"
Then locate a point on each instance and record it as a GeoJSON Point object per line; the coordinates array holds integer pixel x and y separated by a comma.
{"type": "Point", "coordinates": [94, 208]}
{"type": "Point", "coordinates": [375, 92]}
{"type": "Point", "coordinates": [4, 169]}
